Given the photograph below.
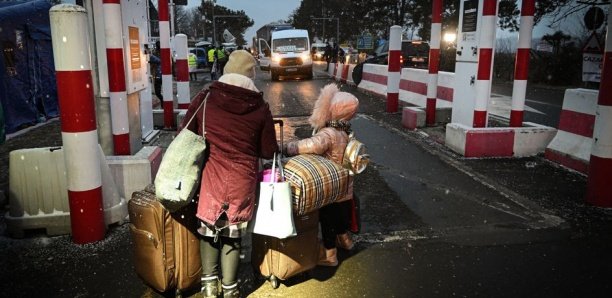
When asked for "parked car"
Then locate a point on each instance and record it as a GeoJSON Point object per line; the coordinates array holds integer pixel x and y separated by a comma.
{"type": "Point", "coordinates": [415, 54]}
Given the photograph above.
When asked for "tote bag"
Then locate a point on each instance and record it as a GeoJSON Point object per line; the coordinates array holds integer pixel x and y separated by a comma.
{"type": "Point", "coordinates": [178, 176]}
{"type": "Point", "coordinates": [274, 216]}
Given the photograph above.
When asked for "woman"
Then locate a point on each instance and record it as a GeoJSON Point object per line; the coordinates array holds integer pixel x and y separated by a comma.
{"type": "Point", "coordinates": [330, 120]}
{"type": "Point", "coordinates": [239, 130]}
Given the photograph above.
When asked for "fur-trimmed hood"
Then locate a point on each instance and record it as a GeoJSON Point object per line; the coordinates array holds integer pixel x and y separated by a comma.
{"type": "Point", "coordinates": [333, 104]}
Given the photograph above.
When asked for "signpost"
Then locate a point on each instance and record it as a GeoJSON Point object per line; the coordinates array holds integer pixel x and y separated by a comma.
{"type": "Point", "coordinates": [592, 58]}
{"type": "Point", "coordinates": [364, 42]}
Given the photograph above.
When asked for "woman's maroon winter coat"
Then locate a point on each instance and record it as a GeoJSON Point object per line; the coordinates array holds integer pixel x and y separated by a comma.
{"type": "Point", "coordinates": [239, 130]}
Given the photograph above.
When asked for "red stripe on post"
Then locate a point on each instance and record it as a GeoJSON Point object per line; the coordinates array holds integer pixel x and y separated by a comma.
{"type": "Point", "coordinates": [480, 118]}
{"type": "Point", "coordinates": [577, 123]}
{"type": "Point", "coordinates": [121, 144]}
{"type": "Point", "coordinates": [394, 61]}
{"type": "Point", "coordinates": [168, 113]}
{"type": "Point", "coordinates": [521, 67]}
{"type": "Point", "coordinates": [77, 107]}
{"type": "Point", "coordinates": [489, 8]}
{"type": "Point", "coordinates": [392, 102]}
{"type": "Point", "coordinates": [430, 111]}
{"type": "Point", "coordinates": [182, 70]}
{"type": "Point", "coordinates": [605, 91]}
{"type": "Point", "coordinates": [599, 191]}
{"type": "Point", "coordinates": [436, 9]}
{"type": "Point", "coordinates": [165, 60]}
{"type": "Point", "coordinates": [489, 143]}
{"type": "Point", "coordinates": [528, 8]}
{"type": "Point", "coordinates": [162, 9]}
{"type": "Point", "coordinates": [86, 215]}
{"type": "Point", "coordinates": [111, 1]}
{"type": "Point", "coordinates": [116, 70]}
{"type": "Point", "coordinates": [516, 118]}
{"type": "Point", "coordinates": [484, 64]}
{"type": "Point", "coordinates": [434, 61]}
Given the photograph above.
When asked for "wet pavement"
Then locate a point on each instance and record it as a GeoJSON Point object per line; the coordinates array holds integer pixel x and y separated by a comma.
{"type": "Point", "coordinates": [434, 224]}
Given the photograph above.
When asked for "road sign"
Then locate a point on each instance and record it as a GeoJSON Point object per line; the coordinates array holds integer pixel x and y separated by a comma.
{"type": "Point", "coordinates": [365, 42]}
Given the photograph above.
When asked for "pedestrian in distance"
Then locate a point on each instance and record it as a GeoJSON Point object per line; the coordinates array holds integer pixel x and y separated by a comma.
{"type": "Point", "coordinates": [239, 130]}
{"type": "Point", "coordinates": [221, 59]}
{"type": "Point", "coordinates": [212, 59]}
{"type": "Point", "coordinates": [157, 75]}
{"type": "Point", "coordinates": [328, 55]}
{"type": "Point", "coordinates": [192, 61]}
{"type": "Point", "coordinates": [330, 121]}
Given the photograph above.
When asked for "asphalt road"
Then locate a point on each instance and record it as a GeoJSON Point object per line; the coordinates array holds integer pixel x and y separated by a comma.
{"type": "Point", "coordinates": [434, 224]}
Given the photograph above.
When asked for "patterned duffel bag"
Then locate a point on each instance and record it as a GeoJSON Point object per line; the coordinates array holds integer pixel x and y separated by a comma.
{"type": "Point", "coordinates": [315, 182]}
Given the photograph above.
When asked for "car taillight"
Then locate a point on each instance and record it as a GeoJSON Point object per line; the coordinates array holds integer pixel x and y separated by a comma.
{"type": "Point", "coordinates": [401, 59]}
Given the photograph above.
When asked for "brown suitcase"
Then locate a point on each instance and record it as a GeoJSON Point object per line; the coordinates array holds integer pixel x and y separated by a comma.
{"type": "Point", "coordinates": [166, 251]}
{"type": "Point", "coordinates": [283, 258]}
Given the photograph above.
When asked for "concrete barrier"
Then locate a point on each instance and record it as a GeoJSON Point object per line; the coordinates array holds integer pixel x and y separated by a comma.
{"type": "Point", "coordinates": [38, 192]}
{"type": "Point", "coordinates": [413, 87]}
{"type": "Point", "coordinates": [413, 84]}
{"type": "Point", "coordinates": [133, 173]}
{"type": "Point", "coordinates": [572, 145]}
{"type": "Point", "coordinates": [498, 141]}
{"type": "Point", "coordinates": [374, 79]}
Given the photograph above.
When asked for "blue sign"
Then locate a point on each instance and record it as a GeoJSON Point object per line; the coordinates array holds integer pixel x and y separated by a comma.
{"type": "Point", "coordinates": [364, 42]}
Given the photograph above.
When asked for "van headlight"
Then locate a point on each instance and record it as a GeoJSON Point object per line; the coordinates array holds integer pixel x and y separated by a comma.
{"type": "Point", "coordinates": [305, 57]}
{"type": "Point", "coordinates": [276, 58]}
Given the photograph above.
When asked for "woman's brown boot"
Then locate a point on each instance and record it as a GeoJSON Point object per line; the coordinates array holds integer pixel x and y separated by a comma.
{"type": "Point", "coordinates": [328, 257]}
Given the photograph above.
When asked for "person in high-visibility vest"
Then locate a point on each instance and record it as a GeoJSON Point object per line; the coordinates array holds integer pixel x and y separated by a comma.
{"type": "Point", "coordinates": [221, 59]}
{"type": "Point", "coordinates": [193, 66]}
{"type": "Point", "coordinates": [212, 59]}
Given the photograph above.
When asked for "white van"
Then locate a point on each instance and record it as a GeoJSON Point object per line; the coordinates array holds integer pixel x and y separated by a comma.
{"type": "Point", "coordinates": [290, 54]}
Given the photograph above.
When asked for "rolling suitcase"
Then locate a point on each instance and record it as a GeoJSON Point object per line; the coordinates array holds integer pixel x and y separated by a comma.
{"type": "Point", "coordinates": [279, 259]}
{"type": "Point", "coordinates": [166, 251]}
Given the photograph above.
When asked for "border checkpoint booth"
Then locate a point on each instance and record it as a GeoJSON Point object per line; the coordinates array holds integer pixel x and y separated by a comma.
{"type": "Point", "coordinates": [120, 174]}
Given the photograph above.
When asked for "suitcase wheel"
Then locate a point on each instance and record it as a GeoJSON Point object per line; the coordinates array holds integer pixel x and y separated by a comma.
{"type": "Point", "coordinates": [274, 282]}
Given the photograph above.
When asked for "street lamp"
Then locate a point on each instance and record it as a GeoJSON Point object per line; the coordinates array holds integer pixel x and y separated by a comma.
{"type": "Point", "coordinates": [337, 27]}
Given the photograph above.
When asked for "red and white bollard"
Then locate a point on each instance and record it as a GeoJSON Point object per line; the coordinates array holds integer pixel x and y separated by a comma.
{"type": "Point", "coordinates": [599, 191]}
{"type": "Point", "coordinates": [394, 68]}
{"type": "Point", "coordinates": [521, 66]}
{"type": "Point", "coordinates": [72, 58]}
{"type": "Point", "coordinates": [166, 63]}
{"type": "Point", "coordinates": [182, 71]}
{"type": "Point", "coordinates": [116, 77]}
{"type": "Point", "coordinates": [485, 62]}
{"type": "Point", "coordinates": [434, 62]}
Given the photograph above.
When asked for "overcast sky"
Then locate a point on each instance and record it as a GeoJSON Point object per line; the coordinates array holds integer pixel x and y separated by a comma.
{"type": "Point", "coordinates": [261, 11]}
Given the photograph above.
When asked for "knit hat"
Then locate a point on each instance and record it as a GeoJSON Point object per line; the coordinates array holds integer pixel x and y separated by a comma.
{"type": "Point", "coordinates": [241, 62]}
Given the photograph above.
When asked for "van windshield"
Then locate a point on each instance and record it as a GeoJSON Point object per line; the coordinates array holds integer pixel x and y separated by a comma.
{"type": "Point", "coordinates": [293, 44]}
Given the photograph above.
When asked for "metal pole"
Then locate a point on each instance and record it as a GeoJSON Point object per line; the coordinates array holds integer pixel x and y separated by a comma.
{"type": "Point", "coordinates": [116, 77]}
{"type": "Point", "coordinates": [394, 68]}
{"type": "Point", "coordinates": [599, 192]}
{"type": "Point", "coordinates": [486, 50]}
{"type": "Point", "coordinates": [71, 54]}
{"type": "Point", "coordinates": [182, 71]}
{"type": "Point", "coordinates": [338, 31]}
{"type": "Point", "coordinates": [521, 66]}
{"type": "Point", "coordinates": [434, 62]}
